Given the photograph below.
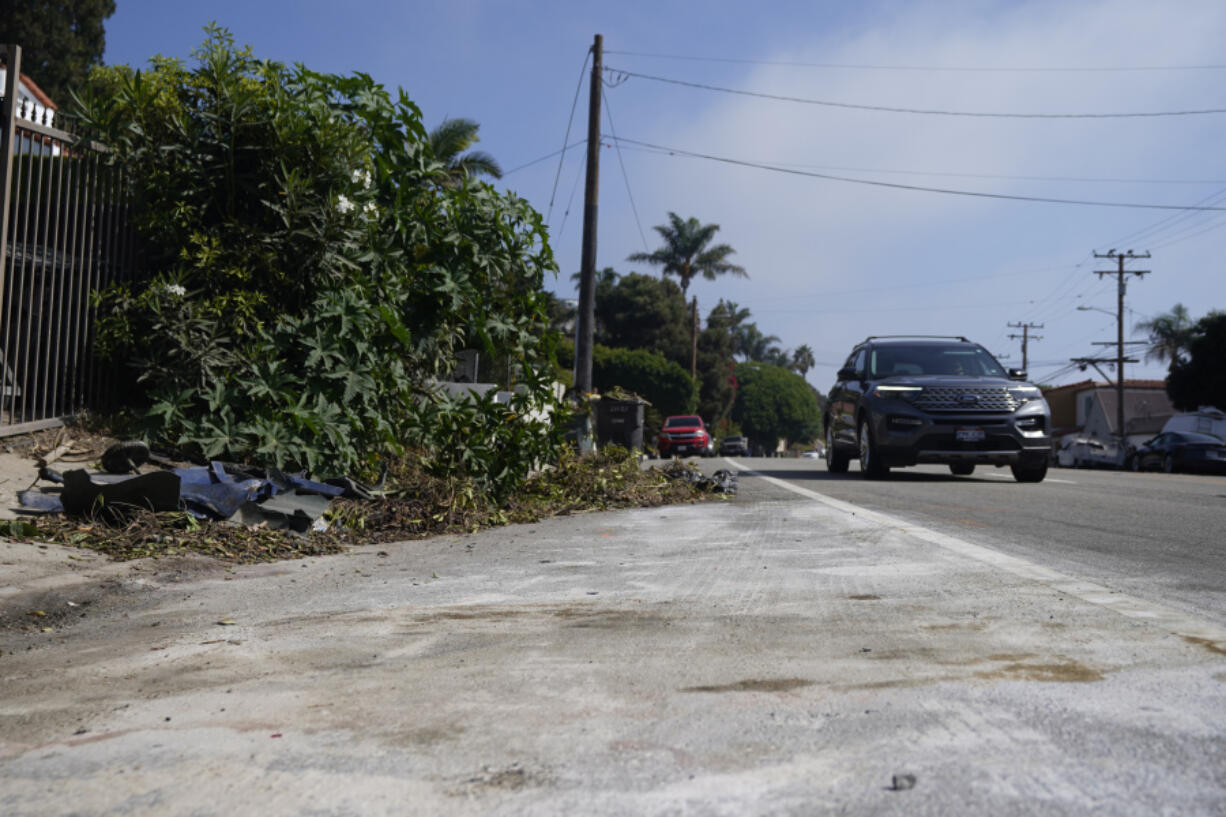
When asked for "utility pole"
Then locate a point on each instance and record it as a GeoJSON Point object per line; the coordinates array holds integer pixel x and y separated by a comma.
{"type": "Point", "coordinates": [1025, 336]}
{"type": "Point", "coordinates": [694, 339]}
{"type": "Point", "coordinates": [587, 267]}
{"type": "Point", "coordinates": [1120, 360]}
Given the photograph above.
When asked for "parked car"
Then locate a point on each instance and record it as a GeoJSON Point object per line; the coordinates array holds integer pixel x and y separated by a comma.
{"type": "Point", "coordinates": [904, 400]}
{"type": "Point", "coordinates": [1085, 452]}
{"type": "Point", "coordinates": [684, 434]}
{"type": "Point", "coordinates": [811, 454]}
{"type": "Point", "coordinates": [1180, 451]}
{"type": "Point", "coordinates": [734, 446]}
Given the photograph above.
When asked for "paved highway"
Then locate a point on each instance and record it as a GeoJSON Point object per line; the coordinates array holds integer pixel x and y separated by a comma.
{"type": "Point", "coordinates": [1161, 537]}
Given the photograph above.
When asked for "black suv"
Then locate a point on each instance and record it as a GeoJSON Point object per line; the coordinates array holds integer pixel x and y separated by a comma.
{"type": "Point", "coordinates": [913, 399]}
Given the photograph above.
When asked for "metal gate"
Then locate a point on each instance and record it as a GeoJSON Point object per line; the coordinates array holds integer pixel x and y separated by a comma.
{"type": "Point", "coordinates": [63, 236]}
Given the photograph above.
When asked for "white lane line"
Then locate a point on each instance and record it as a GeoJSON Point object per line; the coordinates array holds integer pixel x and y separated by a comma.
{"type": "Point", "coordinates": [1173, 621]}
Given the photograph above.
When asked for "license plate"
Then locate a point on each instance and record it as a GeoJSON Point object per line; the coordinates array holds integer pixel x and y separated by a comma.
{"type": "Point", "coordinates": [969, 435]}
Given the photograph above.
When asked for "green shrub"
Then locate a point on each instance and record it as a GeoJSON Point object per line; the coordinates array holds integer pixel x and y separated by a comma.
{"type": "Point", "coordinates": [308, 275]}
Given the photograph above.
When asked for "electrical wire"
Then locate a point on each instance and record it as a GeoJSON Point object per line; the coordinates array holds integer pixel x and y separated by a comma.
{"type": "Point", "coordinates": [996, 176]}
{"type": "Point", "coordinates": [569, 202]}
{"type": "Point", "coordinates": [506, 173]}
{"type": "Point", "coordinates": [932, 68]}
{"type": "Point", "coordinates": [565, 139]}
{"type": "Point", "coordinates": [923, 111]}
{"type": "Point", "coordinates": [918, 188]}
{"type": "Point", "coordinates": [609, 113]}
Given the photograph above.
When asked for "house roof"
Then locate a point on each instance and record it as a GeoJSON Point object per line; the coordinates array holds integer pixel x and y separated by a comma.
{"type": "Point", "coordinates": [37, 92]}
{"type": "Point", "coordinates": [1142, 408]}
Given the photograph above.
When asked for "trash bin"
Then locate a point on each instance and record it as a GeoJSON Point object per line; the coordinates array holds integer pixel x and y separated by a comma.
{"type": "Point", "coordinates": [620, 422]}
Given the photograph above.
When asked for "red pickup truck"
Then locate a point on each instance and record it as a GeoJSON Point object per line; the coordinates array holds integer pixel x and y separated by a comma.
{"type": "Point", "coordinates": [684, 434]}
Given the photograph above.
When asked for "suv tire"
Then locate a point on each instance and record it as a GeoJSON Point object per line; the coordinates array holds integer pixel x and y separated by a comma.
{"type": "Point", "coordinates": [1029, 473]}
{"type": "Point", "coordinates": [870, 463]}
{"type": "Point", "coordinates": [962, 469]}
{"type": "Point", "coordinates": [836, 460]}
{"type": "Point", "coordinates": [1168, 464]}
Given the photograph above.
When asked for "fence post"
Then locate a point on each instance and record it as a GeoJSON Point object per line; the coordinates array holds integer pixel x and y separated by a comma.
{"type": "Point", "coordinates": [8, 131]}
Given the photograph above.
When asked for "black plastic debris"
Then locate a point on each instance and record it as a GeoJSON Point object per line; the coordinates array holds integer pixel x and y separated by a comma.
{"type": "Point", "coordinates": [219, 491]}
{"type": "Point", "coordinates": [722, 481]}
{"type": "Point", "coordinates": [125, 457]}
{"type": "Point", "coordinates": [155, 491]}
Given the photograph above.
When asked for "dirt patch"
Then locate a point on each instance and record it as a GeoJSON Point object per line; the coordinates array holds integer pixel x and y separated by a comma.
{"type": "Point", "coordinates": [1062, 672]}
{"type": "Point", "coordinates": [754, 685]}
{"type": "Point", "coordinates": [1214, 647]}
{"type": "Point", "coordinates": [513, 778]}
{"type": "Point", "coordinates": [864, 597]}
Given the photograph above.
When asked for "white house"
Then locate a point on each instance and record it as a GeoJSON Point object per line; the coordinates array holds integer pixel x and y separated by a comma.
{"type": "Point", "coordinates": [32, 104]}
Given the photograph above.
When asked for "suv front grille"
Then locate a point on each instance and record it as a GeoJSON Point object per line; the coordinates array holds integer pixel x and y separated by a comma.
{"type": "Point", "coordinates": [955, 399]}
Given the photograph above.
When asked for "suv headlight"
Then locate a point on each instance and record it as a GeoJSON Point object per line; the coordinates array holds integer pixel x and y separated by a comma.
{"type": "Point", "coordinates": [1025, 394]}
{"type": "Point", "coordinates": [903, 392]}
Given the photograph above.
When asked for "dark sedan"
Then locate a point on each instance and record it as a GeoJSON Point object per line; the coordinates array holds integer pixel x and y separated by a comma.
{"type": "Point", "coordinates": [1180, 451]}
{"type": "Point", "coordinates": [734, 446]}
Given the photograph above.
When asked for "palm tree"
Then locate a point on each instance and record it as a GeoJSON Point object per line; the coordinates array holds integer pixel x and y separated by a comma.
{"type": "Point", "coordinates": [608, 275]}
{"type": "Point", "coordinates": [1169, 334]}
{"type": "Point", "coordinates": [753, 345]}
{"type": "Point", "coordinates": [802, 359]}
{"type": "Point", "coordinates": [685, 252]}
{"type": "Point", "coordinates": [449, 141]}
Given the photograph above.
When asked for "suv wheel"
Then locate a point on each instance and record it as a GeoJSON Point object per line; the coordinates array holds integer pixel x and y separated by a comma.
{"type": "Point", "coordinates": [962, 469]}
{"type": "Point", "coordinates": [1029, 473]}
{"type": "Point", "coordinates": [870, 463]}
{"type": "Point", "coordinates": [836, 460]}
{"type": "Point", "coordinates": [1168, 464]}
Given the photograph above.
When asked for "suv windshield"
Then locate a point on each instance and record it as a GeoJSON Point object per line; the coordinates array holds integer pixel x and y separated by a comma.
{"type": "Point", "coordinates": [935, 359]}
{"type": "Point", "coordinates": [682, 422]}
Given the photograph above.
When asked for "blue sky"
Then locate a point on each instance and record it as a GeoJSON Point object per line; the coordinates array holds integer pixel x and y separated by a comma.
{"type": "Point", "coordinates": [829, 261]}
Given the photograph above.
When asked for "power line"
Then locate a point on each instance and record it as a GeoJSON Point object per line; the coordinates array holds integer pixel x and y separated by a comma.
{"type": "Point", "coordinates": [923, 111]}
{"type": "Point", "coordinates": [1079, 179]}
{"type": "Point", "coordinates": [565, 139]}
{"type": "Point", "coordinates": [608, 110]}
{"type": "Point", "coordinates": [506, 173]}
{"type": "Point", "coordinates": [918, 188]}
{"type": "Point", "coordinates": [932, 68]}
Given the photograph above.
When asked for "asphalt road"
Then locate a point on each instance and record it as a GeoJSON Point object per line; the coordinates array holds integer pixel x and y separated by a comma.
{"type": "Point", "coordinates": [813, 646]}
{"type": "Point", "coordinates": [1161, 537]}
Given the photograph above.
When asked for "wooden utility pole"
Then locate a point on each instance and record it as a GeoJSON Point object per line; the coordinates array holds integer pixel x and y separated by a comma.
{"type": "Point", "coordinates": [1121, 288]}
{"type": "Point", "coordinates": [1026, 338]}
{"type": "Point", "coordinates": [587, 267]}
{"type": "Point", "coordinates": [694, 338]}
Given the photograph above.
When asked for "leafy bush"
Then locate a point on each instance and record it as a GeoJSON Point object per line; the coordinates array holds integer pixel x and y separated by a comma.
{"type": "Point", "coordinates": [661, 382]}
{"type": "Point", "coordinates": [309, 275]}
{"type": "Point", "coordinates": [773, 403]}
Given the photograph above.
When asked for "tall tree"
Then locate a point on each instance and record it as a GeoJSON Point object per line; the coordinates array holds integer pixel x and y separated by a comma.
{"type": "Point", "coordinates": [773, 403]}
{"type": "Point", "coordinates": [61, 40]}
{"type": "Point", "coordinates": [641, 312]}
{"type": "Point", "coordinates": [803, 360]}
{"type": "Point", "coordinates": [608, 275]}
{"type": "Point", "coordinates": [715, 365]}
{"type": "Point", "coordinates": [1169, 334]}
{"type": "Point", "coordinates": [751, 344]}
{"type": "Point", "coordinates": [686, 253]}
{"type": "Point", "coordinates": [1199, 379]}
{"type": "Point", "coordinates": [450, 140]}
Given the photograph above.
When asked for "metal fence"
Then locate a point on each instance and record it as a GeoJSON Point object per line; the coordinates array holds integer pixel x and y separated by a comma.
{"type": "Point", "coordinates": [63, 236]}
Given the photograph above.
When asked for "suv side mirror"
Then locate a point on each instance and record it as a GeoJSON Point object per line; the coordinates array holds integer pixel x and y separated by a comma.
{"type": "Point", "coordinates": [1017, 374]}
{"type": "Point", "coordinates": [848, 374]}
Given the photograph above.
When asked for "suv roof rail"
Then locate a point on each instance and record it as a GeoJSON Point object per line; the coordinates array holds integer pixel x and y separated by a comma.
{"type": "Point", "coordinates": [933, 337]}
